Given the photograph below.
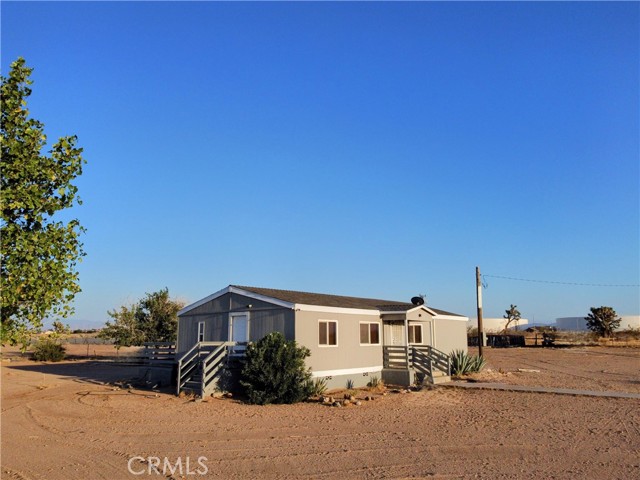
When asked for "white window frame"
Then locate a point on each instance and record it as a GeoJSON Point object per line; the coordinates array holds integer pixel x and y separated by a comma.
{"type": "Point", "coordinates": [200, 332]}
{"type": "Point", "coordinates": [370, 344]}
{"type": "Point", "coordinates": [421, 334]}
{"type": "Point", "coordinates": [327, 345]}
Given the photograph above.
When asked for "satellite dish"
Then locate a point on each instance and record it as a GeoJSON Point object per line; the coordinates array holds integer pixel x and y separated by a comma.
{"type": "Point", "coordinates": [417, 301]}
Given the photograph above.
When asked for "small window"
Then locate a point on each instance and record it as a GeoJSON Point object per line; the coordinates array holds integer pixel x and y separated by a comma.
{"type": "Point", "coordinates": [328, 333]}
{"type": "Point", "coordinates": [200, 331]}
{"type": "Point", "coordinates": [415, 333]}
{"type": "Point", "coordinates": [369, 334]}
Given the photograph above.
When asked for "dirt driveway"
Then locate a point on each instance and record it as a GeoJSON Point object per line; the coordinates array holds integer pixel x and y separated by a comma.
{"type": "Point", "coordinates": [64, 421]}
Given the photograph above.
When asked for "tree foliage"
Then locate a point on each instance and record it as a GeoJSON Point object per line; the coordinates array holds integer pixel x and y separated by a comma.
{"type": "Point", "coordinates": [39, 254]}
{"type": "Point", "coordinates": [274, 371]}
{"type": "Point", "coordinates": [512, 315]}
{"type": "Point", "coordinates": [153, 319]}
{"type": "Point", "coordinates": [603, 321]}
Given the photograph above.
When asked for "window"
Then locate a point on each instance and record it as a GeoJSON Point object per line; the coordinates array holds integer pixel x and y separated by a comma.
{"type": "Point", "coordinates": [328, 333]}
{"type": "Point", "coordinates": [415, 333]}
{"type": "Point", "coordinates": [369, 334]}
{"type": "Point", "coordinates": [200, 331]}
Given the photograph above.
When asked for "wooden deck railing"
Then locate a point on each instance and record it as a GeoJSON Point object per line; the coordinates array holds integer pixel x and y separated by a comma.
{"type": "Point", "coordinates": [201, 365]}
{"type": "Point", "coordinates": [395, 357]}
{"type": "Point", "coordinates": [159, 353]}
{"type": "Point", "coordinates": [424, 359]}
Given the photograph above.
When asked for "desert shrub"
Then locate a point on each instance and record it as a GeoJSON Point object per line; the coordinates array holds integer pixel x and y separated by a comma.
{"type": "Point", "coordinates": [48, 350]}
{"type": "Point", "coordinates": [462, 363]}
{"type": "Point", "coordinates": [274, 371]}
{"type": "Point", "coordinates": [318, 386]}
{"type": "Point", "coordinates": [375, 382]}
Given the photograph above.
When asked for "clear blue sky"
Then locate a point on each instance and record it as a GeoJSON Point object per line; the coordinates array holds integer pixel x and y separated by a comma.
{"type": "Point", "coordinates": [366, 149]}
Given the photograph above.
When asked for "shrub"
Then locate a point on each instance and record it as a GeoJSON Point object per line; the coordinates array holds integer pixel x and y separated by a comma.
{"type": "Point", "coordinates": [603, 321]}
{"type": "Point", "coordinates": [318, 386]}
{"type": "Point", "coordinates": [463, 363]}
{"type": "Point", "coordinates": [375, 382]}
{"type": "Point", "coordinates": [274, 371]}
{"type": "Point", "coordinates": [48, 350]}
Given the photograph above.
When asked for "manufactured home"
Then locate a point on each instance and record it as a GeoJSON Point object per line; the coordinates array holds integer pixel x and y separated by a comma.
{"type": "Point", "coordinates": [350, 339]}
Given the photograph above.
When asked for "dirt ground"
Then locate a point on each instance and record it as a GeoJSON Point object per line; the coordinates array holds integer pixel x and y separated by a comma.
{"type": "Point", "coordinates": [66, 421]}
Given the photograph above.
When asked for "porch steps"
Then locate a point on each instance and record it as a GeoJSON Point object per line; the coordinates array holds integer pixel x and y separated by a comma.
{"type": "Point", "coordinates": [440, 377]}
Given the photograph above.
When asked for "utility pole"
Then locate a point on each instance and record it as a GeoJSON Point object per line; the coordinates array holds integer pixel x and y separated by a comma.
{"type": "Point", "coordinates": [479, 300]}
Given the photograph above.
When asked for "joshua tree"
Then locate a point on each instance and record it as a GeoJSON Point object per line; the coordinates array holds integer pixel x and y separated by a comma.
{"type": "Point", "coordinates": [512, 315]}
{"type": "Point", "coordinates": [603, 321]}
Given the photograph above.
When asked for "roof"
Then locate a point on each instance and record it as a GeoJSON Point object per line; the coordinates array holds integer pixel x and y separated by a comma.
{"type": "Point", "coordinates": [340, 301]}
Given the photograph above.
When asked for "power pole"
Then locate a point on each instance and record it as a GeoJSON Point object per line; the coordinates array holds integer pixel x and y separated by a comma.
{"type": "Point", "coordinates": [479, 300]}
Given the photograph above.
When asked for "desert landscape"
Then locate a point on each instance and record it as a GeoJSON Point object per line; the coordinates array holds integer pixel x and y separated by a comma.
{"type": "Point", "coordinates": [78, 420]}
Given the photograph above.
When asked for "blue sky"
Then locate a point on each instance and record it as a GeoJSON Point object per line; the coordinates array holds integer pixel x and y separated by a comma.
{"type": "Point", "coordinates": [366, 149]}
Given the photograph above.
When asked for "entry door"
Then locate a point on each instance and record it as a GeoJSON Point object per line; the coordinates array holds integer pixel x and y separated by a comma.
{"type": "Point", "coordinates": [240, 331]}
{"type": "Point", "coordinates": [394, 334]}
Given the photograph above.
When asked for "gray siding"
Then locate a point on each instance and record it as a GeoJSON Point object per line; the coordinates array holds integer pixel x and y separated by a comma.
{"type": "Point", "coordinates": [264, 317]}
{"type": "Point", "coordinates": [348, 354]}
{"type": "Point", "coordinates": [266, 321]}
{"type": "Point", "coordinates": [450, 335]}
{"type": "Point", "coordinates": [231, 302]}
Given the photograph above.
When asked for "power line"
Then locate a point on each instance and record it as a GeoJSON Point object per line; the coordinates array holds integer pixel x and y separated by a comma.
{"type": "Point", "coordinates": [561, 283]}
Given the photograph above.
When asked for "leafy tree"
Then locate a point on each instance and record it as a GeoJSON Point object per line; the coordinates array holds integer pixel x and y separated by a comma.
{"type": "Point", "coordinates": [60, 329]}
{"type": "Point", "coordinates": [603, 321]}
{"type": "Point", "coordinates": [157, 316]}
{"type": "Point", "coordinates": [512, 315]}
{"type": "Point", "coordinates": [274, 371]}
{"type": "Point", "coordinates": [124, 330]}
{"type": "Point", "coordinates": [39, 254]}
{"type": "Point", "coordinates": [152, 319]}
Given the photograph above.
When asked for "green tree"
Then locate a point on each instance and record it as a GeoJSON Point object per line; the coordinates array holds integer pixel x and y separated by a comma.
{"type": "Point", "coordinates": [157, 316]}
{"type": "Point", "coordinates": [152, 319]}
{"type": "Point", "coordinates": [603, 321]}
{"type": "Point", "coordinates": [124, 330]}
{"type": "Point", "coordinates": [274, 371]}
{"type": "Point", "coordinates": [512, 315]}
{"type": "Point", "coordinates": [39, 254]}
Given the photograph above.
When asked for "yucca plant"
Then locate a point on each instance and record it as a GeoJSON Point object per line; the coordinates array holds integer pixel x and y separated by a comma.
{"type": "Point", "coordinates": [375, 382]}
{"type": "Point", "coordinates": [462, 363]}
{"type": "Point", "coordinates": [318, 386]}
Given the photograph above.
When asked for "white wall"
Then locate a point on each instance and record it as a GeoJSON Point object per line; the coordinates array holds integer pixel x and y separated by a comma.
{"type": "Point", "coordinates": [494, 325]}
{"type": "Point", "coordinates": [580, 324]}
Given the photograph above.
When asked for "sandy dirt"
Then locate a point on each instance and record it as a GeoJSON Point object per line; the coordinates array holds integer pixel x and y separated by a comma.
{"type": "Point", "coordinates": [66, 421]}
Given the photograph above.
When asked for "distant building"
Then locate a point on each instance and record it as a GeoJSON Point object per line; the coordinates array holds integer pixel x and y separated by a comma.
{"type": "Point", "coordinates": [495, 325]}
{"type": "Point", "coordinates": [580, 324]}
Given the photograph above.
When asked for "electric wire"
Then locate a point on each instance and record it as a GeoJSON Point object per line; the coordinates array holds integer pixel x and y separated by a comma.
{"type": "Point", "coordinates": [561, 283]}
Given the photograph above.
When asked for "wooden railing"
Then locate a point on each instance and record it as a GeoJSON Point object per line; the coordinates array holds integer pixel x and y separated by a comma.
{"type": "Point", "coordinates": [201, 365]}
{"type": "Point", "coordinates": [424, 359]}
{"type": "Point", "coordinates": [159, 353]}
{"type": "Point", "coordinates": [395, 357]}
{"type": "Point", "coordinates": [427, 359]}
{"type": "Point", "coordinates": [212, 366]}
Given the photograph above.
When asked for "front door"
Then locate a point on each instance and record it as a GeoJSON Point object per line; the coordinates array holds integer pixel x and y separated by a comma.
{"type": "Point", "coordinates": [394, 334]}
{"type": "Point", "coordinates": [239, 326]}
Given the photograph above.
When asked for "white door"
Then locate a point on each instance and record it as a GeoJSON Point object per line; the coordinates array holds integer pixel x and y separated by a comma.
{"type": "Point", "coordinates": [394, 334]}
{"type": "Point", "coordinates": [239, 331]}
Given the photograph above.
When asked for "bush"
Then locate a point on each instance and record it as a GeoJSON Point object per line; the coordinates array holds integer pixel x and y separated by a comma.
{"type": "Point", "coordinates": [463, 363]}
{"type": "Point", "coordinates": [48, 350]}
{"type": "Point", "coordinates": [318, 386]}
{"type": "Point", "coordinates": [603, 321]}
{"type": "Point", "coordinates": [274, 371]}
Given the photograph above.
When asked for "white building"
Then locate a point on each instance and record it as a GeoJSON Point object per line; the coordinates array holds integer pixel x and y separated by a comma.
{"type": "Point", "coordinates": [580, 324]}
{"type": "Point", "coordinates": [496, 325]}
